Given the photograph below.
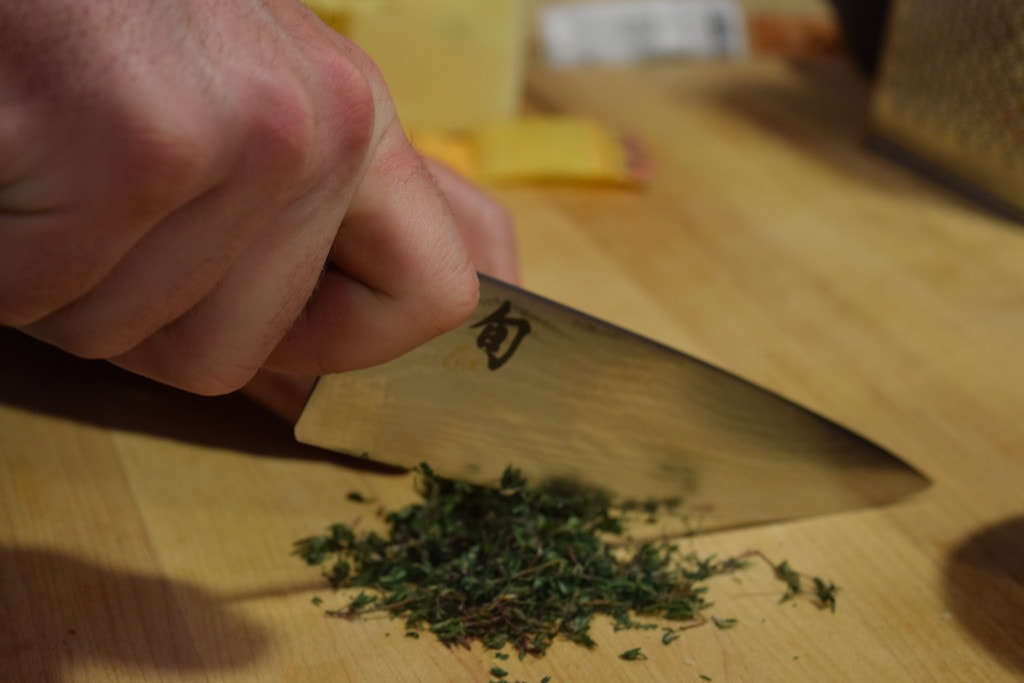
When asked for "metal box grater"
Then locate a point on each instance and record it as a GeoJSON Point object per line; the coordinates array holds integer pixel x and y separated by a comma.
{"type": "Point", "coordinates": [950, 95]}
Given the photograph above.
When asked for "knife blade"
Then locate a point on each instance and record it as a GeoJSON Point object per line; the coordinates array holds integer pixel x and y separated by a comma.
{"type": "Point", "coordinates": [559, 394]}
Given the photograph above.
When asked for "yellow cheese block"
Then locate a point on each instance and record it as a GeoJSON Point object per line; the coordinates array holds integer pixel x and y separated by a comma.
{"type": "Point", "coordinates": [450, 64]}
{"type": "Point", "coordinates": [540, 149]}
{"type": "Point", "coordinates": [551, 148]}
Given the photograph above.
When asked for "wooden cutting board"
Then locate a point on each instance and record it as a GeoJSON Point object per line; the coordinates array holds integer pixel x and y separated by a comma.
{"type": "Point", "coordinates": [145, 534]}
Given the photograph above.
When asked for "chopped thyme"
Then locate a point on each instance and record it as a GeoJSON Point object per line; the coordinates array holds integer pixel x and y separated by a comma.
{"type": "Point", "coordinates": [518, 566]}
{"type": "Point", "coordinates": [723, 623]}
{"type": "Point", "coordinates": [792, 579]}
{"type": "Point", "coordinates": [825, 591]}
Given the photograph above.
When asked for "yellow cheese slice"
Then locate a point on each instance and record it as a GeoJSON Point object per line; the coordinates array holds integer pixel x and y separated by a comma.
{"type": "Point", "coordinates": [539, 149]}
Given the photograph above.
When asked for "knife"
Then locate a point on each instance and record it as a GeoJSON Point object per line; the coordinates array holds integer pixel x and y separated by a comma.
{"type": "Point", "coordinates": [559, 394]}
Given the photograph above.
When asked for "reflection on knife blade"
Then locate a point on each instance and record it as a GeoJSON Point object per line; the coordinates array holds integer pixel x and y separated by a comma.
{"type": "Point", "coordinates": [559, 394]}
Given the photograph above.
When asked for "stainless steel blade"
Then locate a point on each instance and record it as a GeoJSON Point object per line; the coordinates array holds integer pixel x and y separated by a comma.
{"type": "Point", "coordinates": [531, 383]}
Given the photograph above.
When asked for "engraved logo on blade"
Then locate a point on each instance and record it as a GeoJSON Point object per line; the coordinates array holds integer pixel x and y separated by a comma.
{"type": "Point", "coordinates": [501, 335]}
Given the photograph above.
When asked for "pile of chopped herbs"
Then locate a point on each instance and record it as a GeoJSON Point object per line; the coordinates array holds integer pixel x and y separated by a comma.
{"type": "Point", "coordinates": [518, 566]}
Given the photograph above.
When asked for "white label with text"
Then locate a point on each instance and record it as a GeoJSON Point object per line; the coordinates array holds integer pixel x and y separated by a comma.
{"type": "Point", "coordinates": [623, 32]}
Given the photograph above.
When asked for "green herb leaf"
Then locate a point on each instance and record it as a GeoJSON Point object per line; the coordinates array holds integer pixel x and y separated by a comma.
{"type": "Point", "coordinates": [826, 593]}
{"type": "Point", "coordinates": [792, 579]}
{"type": "Point", "coordinates": [633, 655]}
{"type": "Point", "coordinates": [723, 623]}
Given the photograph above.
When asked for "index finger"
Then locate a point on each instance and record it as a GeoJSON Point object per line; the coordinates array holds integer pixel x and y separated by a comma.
{"type": "Point", "coordinates": [398, 275]}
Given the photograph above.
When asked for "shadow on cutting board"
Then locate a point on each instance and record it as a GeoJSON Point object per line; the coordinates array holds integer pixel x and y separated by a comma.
{"type": "Point", "coordinates": [62, 614]}
{"type": "Point", "coordinates": [42, 379]}
{"type": "Point", "coordinates": [985, 590]}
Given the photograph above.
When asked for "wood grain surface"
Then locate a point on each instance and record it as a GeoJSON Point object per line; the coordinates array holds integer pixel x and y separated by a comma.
{"type": "Point", "coordinates": [145, 534]}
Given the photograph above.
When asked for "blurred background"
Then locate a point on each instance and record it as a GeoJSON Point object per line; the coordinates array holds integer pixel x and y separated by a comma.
{"type": "Point", "coordinates": [946, 76]}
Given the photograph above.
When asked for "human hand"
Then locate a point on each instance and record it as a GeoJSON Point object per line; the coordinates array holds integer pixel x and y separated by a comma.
{"type": "Point", "coordinates": [174, 176]}
{"type": "Point", "coordinates": [486, 228]}
{"type": "Point", "coordinates": [487, 232]}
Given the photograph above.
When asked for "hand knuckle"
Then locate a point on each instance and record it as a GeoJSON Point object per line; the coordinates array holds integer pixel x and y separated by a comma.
{"type": "Point", "coordinates": [353, 108]}
{"type": "Point", "coordinates": [161, 165]}
{"type": "Point", "coordinates": [281, 123]}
